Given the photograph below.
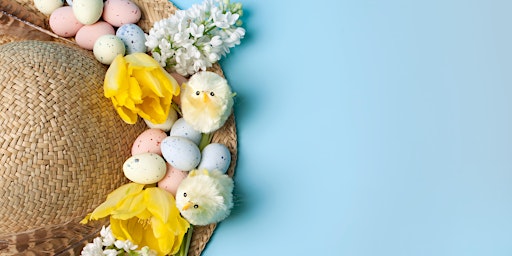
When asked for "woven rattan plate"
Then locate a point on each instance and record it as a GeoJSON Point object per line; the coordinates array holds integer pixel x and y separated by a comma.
{"type": "Point", "coordinates": [62, 145]}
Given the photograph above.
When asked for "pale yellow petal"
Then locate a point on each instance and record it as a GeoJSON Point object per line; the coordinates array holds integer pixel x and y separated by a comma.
{"type": "Point", "coordinates": [141, 60]}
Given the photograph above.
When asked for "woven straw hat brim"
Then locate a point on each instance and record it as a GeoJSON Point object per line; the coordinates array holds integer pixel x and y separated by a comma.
{"type": "Point", "coordinates": [60, 233]}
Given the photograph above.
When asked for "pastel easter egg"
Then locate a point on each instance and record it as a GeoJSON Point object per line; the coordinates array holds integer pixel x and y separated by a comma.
{"type": "Point", "coordinates": [120, 12]}
{"type": "Point", "coordinates": [215, 156]}
{"type": "Point", "coordinates": [63, 22]}
{"type": "Point", "coordinates": [182, 129]}
{"type": "Point", "coordinates": [133, 38]}
{"type": "Point", "coordinates": [181, 153]}
{"type": "Point", "coordinates": [88, 34]}
{"type": "Point", "coordinates": [48, 6]}
{"type": "Point", "coordinates": [172, 179]}
{"type": "Point", "coordinates": [149, 142]}
{"type": "Point", "coordinates": [167, 125]}
{"type": "Point", "coordinates": [87, 11]}
{"type": "Point", "coordinates": [107, 47]}
{"type": "Point", "coordinates": [145, 168]}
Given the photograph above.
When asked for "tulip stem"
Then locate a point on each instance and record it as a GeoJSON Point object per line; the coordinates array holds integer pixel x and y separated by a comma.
{"type": "Point", "coordinates": [186, 244]}
{"type": "Point", "coordinates": [206, 138]}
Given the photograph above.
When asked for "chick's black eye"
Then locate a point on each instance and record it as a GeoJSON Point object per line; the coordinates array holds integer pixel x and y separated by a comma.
{"type": "Point", "coordinates": [212, 94]}
{"type": "Point", "coordinates": [196, 206]}
{"type": "Point", "coordinates": [197, 92]}
{"type": "Point", "coordinates": [184, 194]}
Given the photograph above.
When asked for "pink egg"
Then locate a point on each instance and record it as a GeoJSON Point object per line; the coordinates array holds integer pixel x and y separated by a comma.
{"type": "Point", "coordinates": [172, 179]}
{"type": "Point", "coordinates": [120, 12]}
{"type": "Point", "coordinates": [87, 35]}
{"type": "Point", "coordinates": [149, 142]}
{"type": "Point", "coordinates": [63, 22]}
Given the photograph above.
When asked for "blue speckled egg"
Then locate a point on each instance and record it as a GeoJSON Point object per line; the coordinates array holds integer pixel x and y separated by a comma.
{"type": "Point", "coordinates": [181, 128]}
{"type": "Point", "coordinates": [133, 38]}
{"type": "Point", "coordinates": [215, 156]}
{"type": "Point", "coordinates": [181, 153]}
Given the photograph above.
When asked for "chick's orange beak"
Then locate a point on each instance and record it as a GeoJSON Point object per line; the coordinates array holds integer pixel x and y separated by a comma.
{"type": "Point", "coordinates": [205, 98]}
{"type": "Point", "coordinates": [186, 206]}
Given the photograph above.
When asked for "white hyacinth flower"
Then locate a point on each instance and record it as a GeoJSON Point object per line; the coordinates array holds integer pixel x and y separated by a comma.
{"type": "Point", "coordinates": [194, 39]}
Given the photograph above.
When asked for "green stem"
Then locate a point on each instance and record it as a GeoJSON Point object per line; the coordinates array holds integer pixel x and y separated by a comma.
{"type": "Point", "coordinates": [206, 138]}
{"type": "Point", "coordinates": [186, 244]}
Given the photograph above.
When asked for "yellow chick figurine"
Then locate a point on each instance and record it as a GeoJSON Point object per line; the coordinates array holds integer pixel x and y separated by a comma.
{"type": "Point", "coordinates": [206, 101]}
{"type": "Point", "coordinates": [205, 197]}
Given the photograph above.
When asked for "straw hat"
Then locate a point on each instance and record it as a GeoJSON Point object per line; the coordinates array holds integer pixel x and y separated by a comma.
{"type": "Point", "coordinates": [62, 145]}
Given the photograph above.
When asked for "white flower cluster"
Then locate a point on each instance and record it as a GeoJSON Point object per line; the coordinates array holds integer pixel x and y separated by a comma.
{"type": "Point", "coordinates": [107, 244]}
{"type": "Point", "coordinates": [196, 38]}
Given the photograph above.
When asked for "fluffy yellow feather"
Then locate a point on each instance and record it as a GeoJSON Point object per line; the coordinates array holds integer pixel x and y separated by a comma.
{"type": "Point", "coordinates": [205, 197]}
{"type": "Point", "coordinates": [206, 101]}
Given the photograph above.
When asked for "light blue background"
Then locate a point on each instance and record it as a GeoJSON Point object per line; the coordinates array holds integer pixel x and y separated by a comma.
{"type": "Point", "coordinates": [371, 128]}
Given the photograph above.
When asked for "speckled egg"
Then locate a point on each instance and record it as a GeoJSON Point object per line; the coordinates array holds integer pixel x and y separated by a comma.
{"type": "Point", "coordinates": [88, 34]}
{"type": "Point", "coordinates": [133, 38]}
{"type": "Point", "coordinates": [146, 168]}
{"type": "Point", "coordinates": [149, 142]}
{"type": "Point", "coordinates": [215, 156]}
{"type": "Point", "coordinates": [107, 47]}
{"type": "Point", "coordinates": [182, 129]}
{"type": "Point", "coordinates": [48, 6]}
{"type": "Point", "coordinates": [120, 12]}
{"type": "Point", "coordinates": [63, 22]}
{"type": "Point", "coordinates": [87, 11]}
{"type": "Point", "coordinates": [172, 179]}
{"type": "Point", "coordinates": [181, 153]}
{"type": "Point", "coordinates": [167, 125]}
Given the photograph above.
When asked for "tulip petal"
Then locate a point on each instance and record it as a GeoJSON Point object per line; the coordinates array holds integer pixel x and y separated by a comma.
{"type": "Point", "coordinates": [159, 203]}
{"type": "Point", "coordinates": [129, 207]}
{"type": "Point", "coordinates": [148, 81]}
{"type": "Point", "coordinates": [115, 77]}
{"type": "Point", "coordinates": [152, 110]}
{"type": "Point", "coordinates": [114, 198]}
{"type": "Point", "coordinates": [140, 60]}
{"type": "Point", "coordinates": [167, 81]}
{"type": "Point", "coordinates": [127, 115]}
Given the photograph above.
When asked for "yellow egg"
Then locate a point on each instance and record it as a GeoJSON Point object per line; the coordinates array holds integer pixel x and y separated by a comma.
{"type": "Point", "coordinates": [107, 47]}
{"type": "Point", "coordinates": [88, 11]}
{"type": "Point", "coordinates": [47, 6]}
{"type": "Point", "coordinates": [146, 168]}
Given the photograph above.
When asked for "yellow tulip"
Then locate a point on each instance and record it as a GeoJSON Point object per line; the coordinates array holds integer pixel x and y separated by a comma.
{"type": "Point", "coordinates": [145, 216]}
{"type": "Point", "coordinates": [139, 86]}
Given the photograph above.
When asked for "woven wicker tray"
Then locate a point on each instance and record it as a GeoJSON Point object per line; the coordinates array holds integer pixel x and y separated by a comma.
{"type": "Point", "coordinates": [20, 21]}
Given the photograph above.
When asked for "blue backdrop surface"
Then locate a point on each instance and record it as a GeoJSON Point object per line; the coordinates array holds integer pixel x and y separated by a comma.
{"type": "Point", "coordinates": [371, 128]}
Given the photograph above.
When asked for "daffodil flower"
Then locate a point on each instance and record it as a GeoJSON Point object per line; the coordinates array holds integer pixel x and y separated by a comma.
{"type": "Point", "coordinates": [144, 216]}
{"type": "Point", "coordinates": [139, 86]}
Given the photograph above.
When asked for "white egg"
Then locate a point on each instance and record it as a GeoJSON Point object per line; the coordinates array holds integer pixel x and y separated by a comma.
{"type": "Point", "coordinates": [133, 38]}
{"type": "Point", "coordinates": [181, 153]}
{"type": "Point", "coordinates": [215, 156]}
{"type": "Point", "coordinates": [88, 11]}
{"type": "Point", "coordinates": [48, 6]}
{"type": "Point", "coordinates": [182, 129]}
{"type": "Point", "coordinates": [107, 47]}
{"type": "Point", "coordinates": [167, 125]}
{"type": "Point", "coordinates": [145, 168]}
